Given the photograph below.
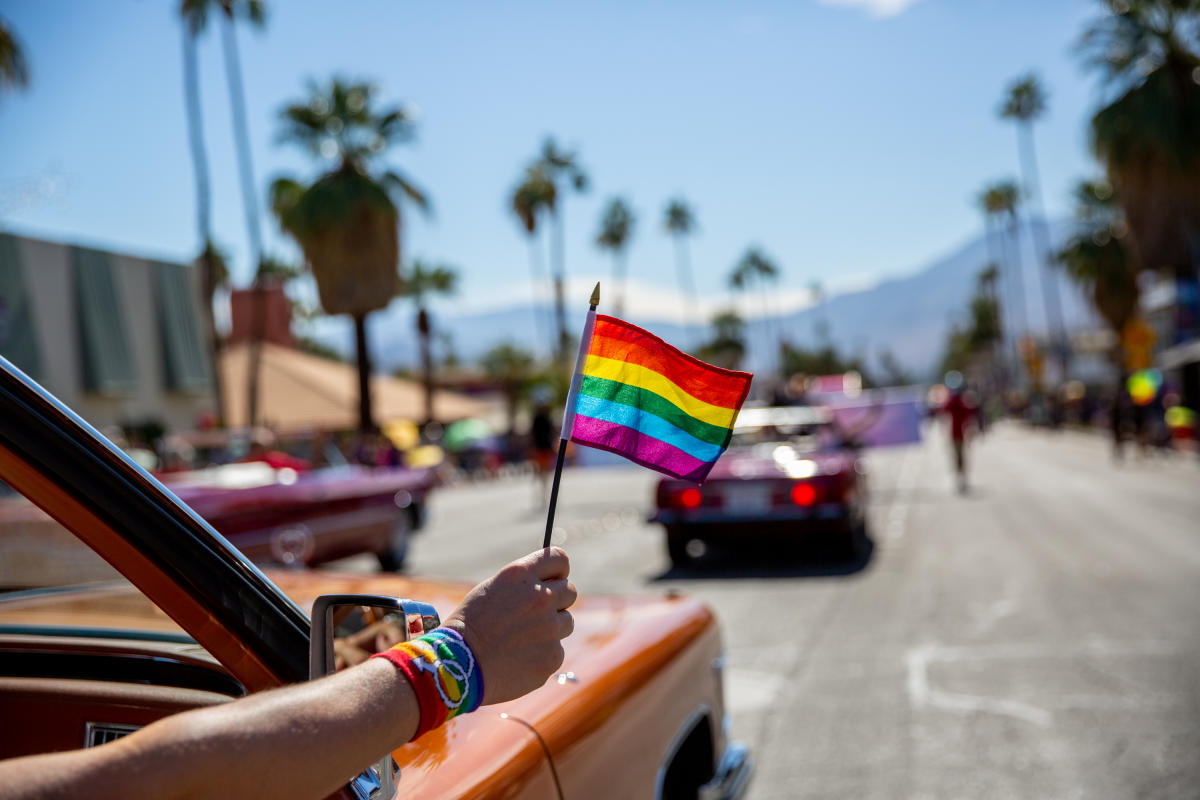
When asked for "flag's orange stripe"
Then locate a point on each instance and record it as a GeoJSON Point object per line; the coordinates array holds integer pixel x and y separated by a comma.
{"type": "Point", "coordinates": [621, 341]}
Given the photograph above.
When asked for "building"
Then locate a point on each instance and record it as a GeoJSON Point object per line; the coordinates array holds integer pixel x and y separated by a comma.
{"type": "Point", "coordinates": [117, 338]}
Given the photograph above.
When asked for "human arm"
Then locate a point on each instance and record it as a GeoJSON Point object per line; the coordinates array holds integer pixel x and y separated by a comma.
{"type": "Point", "coordinates": [308, 739]}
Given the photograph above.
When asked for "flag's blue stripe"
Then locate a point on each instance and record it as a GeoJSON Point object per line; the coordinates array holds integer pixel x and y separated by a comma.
{"type": "Point", "coordinates": [646, 424]}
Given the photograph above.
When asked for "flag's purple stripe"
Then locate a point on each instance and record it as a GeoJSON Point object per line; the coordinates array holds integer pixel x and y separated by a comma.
{"type": "Point", "coordinates": [645, 450]}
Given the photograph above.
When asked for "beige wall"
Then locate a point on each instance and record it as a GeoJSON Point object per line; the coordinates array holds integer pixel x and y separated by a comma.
{"type": "Point", "coordinates": [47, 270]}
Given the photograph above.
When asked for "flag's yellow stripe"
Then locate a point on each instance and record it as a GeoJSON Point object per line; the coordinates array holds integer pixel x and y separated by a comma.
{"type": "Point", "coordinates": [637, 375]}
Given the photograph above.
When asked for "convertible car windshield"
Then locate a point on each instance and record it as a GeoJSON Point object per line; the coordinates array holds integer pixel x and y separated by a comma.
{"type": "Point", "coordinates": [51, 581]}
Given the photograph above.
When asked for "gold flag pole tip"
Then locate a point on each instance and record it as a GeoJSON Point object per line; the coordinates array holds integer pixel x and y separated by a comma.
{"type": "Point", "coordinates": [595, 301]}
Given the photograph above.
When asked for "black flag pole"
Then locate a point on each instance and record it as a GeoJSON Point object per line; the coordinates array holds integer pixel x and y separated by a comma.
{"type": "Point", "coordinates": [568, 425]}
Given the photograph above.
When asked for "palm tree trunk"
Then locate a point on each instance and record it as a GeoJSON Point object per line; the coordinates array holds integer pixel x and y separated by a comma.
{"type": "Point", "coordinates": [241, 137]}
{"type": "Point", "coordinates": [208, 278]}
{"type": "Point", "coordinates": [258, 321]}
{"type": "Point", "coordinates": [1018, 269]}
{"type": "Point", "coordinates": [560, 309]}
{"type": "Point", "coordinates": [536, 273]}
{"type": "Point", "coordinates": [774, 345]}
{"type": "Point", "coordinates": [619, 281]}
{"type": "Point", "coordinates": [1004, 310]}
{"type": "Point", "coordinates": [1012, 260]}
{"type": "Point", "coordinates": [1041, 239]}
{"type": "Point", "coordinates": [241, 133]}
{"type": "Point", "coordinates": [687, 287]}
{"type": "Point", "coordinates": [363, 358]}
{"type": "Point", "coordinates": [423, 333]}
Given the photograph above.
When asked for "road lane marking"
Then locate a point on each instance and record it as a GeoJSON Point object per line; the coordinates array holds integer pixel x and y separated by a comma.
{"type": "Point", "coordinates": [986, 618]}
{"type": "Point", "coordinates": [922, 695]}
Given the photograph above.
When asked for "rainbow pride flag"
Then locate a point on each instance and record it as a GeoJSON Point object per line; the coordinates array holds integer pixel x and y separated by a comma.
{"type": "Point", "coordinates": [639, 397]}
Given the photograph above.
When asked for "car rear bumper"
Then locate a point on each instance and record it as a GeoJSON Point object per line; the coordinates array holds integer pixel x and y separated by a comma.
{"type": "Point", "coordinates": [733, 774]}
{"type": "Point", "coordinates": [824, 513]}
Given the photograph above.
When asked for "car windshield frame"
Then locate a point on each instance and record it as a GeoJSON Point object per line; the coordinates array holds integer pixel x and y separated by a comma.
{"type": "Point", "coordinates": [44, 443]}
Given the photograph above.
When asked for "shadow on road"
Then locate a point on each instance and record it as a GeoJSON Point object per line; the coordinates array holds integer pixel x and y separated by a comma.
{"type": "Point", "coordinates": [756, 560]}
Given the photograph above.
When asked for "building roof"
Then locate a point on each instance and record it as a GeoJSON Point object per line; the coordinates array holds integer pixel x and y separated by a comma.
{"type": "Point", "coordinates": [299, 390]}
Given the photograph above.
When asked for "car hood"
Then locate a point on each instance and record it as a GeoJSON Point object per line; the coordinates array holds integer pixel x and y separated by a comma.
{"type": "Point", "coordinates": [619, 644]}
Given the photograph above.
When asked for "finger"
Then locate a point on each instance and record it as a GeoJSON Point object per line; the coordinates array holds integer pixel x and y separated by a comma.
{"type": "Point", "coordinates": [566, 624]}
{"type": "Point", "coordinates": [565, 593]}
{"type": "Point", "coordinates": [550, 564]}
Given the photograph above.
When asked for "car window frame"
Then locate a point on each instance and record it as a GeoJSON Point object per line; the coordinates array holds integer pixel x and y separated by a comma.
{"type": "Point", "coordinates": [68, 469]}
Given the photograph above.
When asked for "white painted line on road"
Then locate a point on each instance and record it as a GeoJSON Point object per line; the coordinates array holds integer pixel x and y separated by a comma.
{"type": "Point", "coordinates": [922, 695]}
{"type": "Point", "coordinates": [986, 618]}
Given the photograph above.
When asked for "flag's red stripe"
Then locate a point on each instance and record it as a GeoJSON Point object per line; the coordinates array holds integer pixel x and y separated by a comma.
{"type": "Point", "coordinates": [639, 448]}
{"type": "Point", "coordinates": [617, 339]}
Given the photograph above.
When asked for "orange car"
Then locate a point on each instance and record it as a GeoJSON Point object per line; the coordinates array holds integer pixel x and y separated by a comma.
{"type": "Point", "coordinates": [133, 608]}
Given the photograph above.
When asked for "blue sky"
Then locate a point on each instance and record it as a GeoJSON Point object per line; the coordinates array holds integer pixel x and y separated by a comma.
{"type": "Point", "coordinates": [847, 138]}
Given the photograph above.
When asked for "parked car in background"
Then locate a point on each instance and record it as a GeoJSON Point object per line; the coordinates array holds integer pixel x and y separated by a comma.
{"type": "Point", "coordinates": [132, 608]}
{"type": "Point", "coordinates": [791, 474]}
{"type": "Point", "coordinates": [295, 500]}
{"type": "Point", "coordinates": [292, 517]}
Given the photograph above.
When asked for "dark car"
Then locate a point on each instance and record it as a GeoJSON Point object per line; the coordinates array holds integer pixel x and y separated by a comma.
{"type": "Point", "coordinates": [790, 473]}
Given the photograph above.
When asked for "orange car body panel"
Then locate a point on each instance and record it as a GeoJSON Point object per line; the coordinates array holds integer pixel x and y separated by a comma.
{"type": "Point", "coordinates": [641, 666]}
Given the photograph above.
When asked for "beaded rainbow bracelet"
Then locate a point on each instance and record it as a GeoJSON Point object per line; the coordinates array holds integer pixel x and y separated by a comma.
{"type": "Point", "coordinates": [443, 673]}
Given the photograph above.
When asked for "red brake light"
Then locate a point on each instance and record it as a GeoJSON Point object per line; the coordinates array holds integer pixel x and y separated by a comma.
{"type": "Point", "coordinates": [804, 494]}
{"type": "Point", "coordinates": [690, 498]}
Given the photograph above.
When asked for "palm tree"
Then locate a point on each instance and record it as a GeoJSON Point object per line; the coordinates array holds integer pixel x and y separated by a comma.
{"type": "Point", "coordinates": [727, 347]}
{"type": "Point", "coordinates": [1000, 201]}
{"type": "Point", "coordinates": [560, 166]}
{"type": "Point", "coordinates": [616, 227]}
{"type": "Point", "coordinates": [992, 201]}
{"type": "Point", "coordinates": [213, 271]}
{"type": "Point", "coordinates": [1098, 259]}
{"type": "Point", "coordinates": [1148, 136]}
{"type": "Point", "coordinates": [680, 222]}
{"type": "Point", "coordinates": [532, 198]}
{"type": "Point", "coordinates": [423, 282]}
{"type": "Point", "coordinates": [1024, 102]}
{"type": "Point", "coordinates": [511, 367]}
{"type": "Point", "coordinates": [756, 269]}
{"type": "Point", "coordinates": [195, 14]}
{"type": "Point", "coordinates": [14, 71]}
{"type": "Point", "coordinates": [347, 221]}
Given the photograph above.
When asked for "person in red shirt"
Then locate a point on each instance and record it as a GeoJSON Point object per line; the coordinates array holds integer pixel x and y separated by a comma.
{"type": "Point", "coordinates": [962, 408]}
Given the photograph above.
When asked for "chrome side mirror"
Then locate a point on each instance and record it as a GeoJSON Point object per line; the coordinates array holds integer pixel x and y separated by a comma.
{"type": "Point", "coordinates": [347, 629]}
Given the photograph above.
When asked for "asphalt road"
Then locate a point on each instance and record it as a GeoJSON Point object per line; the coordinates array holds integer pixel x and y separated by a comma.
{"type": "Point", "coordinates": [1038, 637]}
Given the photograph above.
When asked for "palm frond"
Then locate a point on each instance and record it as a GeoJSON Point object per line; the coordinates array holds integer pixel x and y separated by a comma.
{"type": "Point", "coordinates": [14, 70]}
{"type": "Point", "coordinates": [679, 217]}
{"type": "Point", "coordinates": [396, 182]}
{"type": "Point", "coordinates": [616, 225]}
{"type": "Point", "coordinates": [1025, 99]}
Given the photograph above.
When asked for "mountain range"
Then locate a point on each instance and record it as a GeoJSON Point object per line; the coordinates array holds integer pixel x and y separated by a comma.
{"type": "Point", "coordinates": [907, 315]}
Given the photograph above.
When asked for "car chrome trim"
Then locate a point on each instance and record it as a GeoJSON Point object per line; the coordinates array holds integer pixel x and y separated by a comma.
{"type": "Point", "coordinates": [733, 774]}
{"type": "Point", "coordinates": [98, 733]}
{"type": "Point", "coordinates": [824, 511]}
{"type": "Point", "coordinates": [68, 452]}
{"type": "Point", "coordinates": [698, 715]}
{"type": "Point", "coordinates": [69, 631]}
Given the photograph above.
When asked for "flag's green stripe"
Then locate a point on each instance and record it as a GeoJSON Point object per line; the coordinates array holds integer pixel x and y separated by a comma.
{"type": "Point", "coordinates": [657, 405]}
